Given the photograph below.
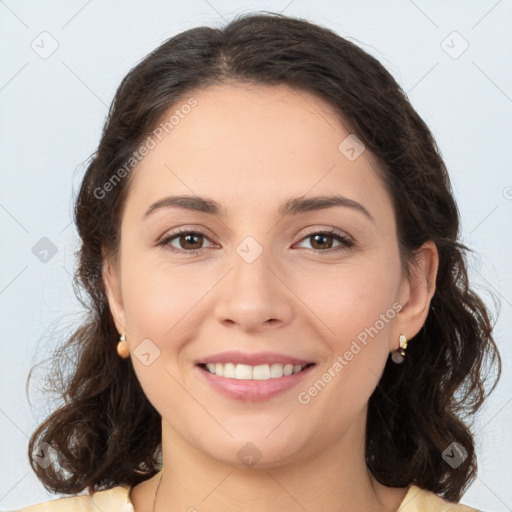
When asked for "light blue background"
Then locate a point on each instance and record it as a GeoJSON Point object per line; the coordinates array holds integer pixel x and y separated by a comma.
{"type": "Point", "coordinates": [53, 111]}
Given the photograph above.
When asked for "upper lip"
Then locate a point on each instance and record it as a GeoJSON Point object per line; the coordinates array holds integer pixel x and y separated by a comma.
{"type": "Point", "coordinates": [254, 359]}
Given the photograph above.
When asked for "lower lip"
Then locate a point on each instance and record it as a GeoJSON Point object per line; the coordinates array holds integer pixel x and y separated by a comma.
{"type": "Point", "coordinates": [254, 390]}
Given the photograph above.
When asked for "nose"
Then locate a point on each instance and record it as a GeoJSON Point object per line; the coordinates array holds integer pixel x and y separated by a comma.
{"type": "Point", "coordinates": [254, 296]}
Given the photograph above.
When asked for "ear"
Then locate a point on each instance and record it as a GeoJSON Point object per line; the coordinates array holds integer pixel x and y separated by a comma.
{"type": "Point", "coordinates": [416, 293]}
{"type": "Point", "coordinates": [112, 283]}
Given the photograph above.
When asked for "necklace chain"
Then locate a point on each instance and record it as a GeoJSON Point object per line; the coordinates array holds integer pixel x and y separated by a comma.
{"type": "Point", "coordinates": [157, 489]}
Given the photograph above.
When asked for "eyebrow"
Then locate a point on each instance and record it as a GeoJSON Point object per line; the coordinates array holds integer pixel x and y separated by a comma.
{"type": "Point", "coordinates": [292, 206]}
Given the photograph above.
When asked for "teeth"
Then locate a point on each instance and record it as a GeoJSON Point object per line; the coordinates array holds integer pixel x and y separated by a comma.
{"type": "Point", "coordinates": [247, 372]}
{"type": "Point", "coordinates": [243, 371]}
{"type": "Point", "coordinates": [229, 370]}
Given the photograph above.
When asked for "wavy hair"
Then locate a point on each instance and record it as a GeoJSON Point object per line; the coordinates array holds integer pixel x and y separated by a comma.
{"type": "Point", "coordinates": [106, 433]}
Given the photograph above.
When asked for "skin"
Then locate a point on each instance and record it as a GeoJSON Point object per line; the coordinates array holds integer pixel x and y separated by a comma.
{"type": "Point", "coordinates": [250, 148]}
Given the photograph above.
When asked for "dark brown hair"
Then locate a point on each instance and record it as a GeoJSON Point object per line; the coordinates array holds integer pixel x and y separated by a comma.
{"type": "Point", "coordinates": [106, 433]}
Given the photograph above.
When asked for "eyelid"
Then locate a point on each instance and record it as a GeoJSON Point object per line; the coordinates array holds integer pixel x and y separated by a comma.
{"type": "Point", "coordinates": [185, 230]}
{"type": "Point", "coordinates": [326, 230]}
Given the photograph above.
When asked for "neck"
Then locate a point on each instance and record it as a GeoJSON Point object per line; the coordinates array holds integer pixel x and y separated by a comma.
{"type": "Point", "coordinates": [334, 478]}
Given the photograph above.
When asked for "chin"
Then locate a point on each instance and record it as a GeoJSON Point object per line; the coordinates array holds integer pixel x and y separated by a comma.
{"type": "Point", "coordinates": [257, 449]}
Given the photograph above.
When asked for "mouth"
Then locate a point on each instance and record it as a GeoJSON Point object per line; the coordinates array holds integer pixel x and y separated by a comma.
{"type": "Point", "coordinates": [248, 372]}
{"type": "Point", "coordinates": [247, 383]}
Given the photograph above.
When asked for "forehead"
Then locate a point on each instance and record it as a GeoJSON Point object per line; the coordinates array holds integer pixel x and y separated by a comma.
{"type": "Point", "coordinates": [254, 141]}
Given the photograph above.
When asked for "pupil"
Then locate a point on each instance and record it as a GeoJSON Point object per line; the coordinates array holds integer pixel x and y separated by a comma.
{"type": "Point", "coordinates": [321, 237]}
{"type": "Point", "coordinates": [188, 239]}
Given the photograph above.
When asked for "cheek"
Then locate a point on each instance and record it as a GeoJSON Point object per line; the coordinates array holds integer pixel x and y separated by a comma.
{"type": "Point", "coordinates": [162, 303]}
{"type": "Point", "coordinates": [157, 297]}
{"type": "Point", "coordinates": [350, 299]}
{"type": "Point", "coordinates": [354, 310]}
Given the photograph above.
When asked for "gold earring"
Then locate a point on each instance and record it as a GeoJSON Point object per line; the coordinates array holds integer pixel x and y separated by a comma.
{"type": "Point", "coordinates": [122, 347]}
{"type": "Point", "coordinates": [398, 355]}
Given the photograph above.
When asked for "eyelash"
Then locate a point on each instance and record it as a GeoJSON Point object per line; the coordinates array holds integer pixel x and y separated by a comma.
{"type": "Point", "coordinates": [346, 243]}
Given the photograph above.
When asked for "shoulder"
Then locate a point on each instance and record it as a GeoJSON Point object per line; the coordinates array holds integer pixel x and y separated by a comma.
{"type": "Point", "coordinates": [111, 500]}
{"type": "Point", "coordinates": [421, 500]}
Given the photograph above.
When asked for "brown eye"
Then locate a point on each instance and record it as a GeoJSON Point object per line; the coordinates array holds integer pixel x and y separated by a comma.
{"type": "Point", "coordinates": [322, 241]}
{"type": "Point", "coordinates": [325, 240]}
{"type": "Point", "coordinates": [185, 241]}
{"type": "Point", "coordinates": [191, 241]}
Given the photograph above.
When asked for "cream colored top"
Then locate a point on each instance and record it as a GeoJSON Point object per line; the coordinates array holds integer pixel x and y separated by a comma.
{"type": "Point", "coordinates": [117, 499]}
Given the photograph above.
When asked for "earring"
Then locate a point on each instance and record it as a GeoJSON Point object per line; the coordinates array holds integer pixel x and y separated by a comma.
{"type": "Point", "coordinates": [398, 355]}
{"type": "Point", "coordinates": [122, 347]}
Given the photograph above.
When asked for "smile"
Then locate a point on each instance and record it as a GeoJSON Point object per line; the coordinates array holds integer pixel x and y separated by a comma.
{"type": "Point", "coordinates": [243, 382]}
{"type": "Point", "coordinates": [248, 372]}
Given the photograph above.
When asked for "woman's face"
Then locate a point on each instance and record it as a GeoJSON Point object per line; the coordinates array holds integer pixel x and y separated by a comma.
{"type": "Point", "coordinates": [260, 278]}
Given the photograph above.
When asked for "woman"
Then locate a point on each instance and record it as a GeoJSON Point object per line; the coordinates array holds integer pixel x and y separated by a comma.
{"type": "Point", "coordinates": [280, 313]}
